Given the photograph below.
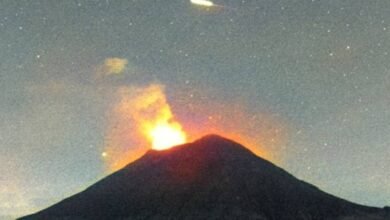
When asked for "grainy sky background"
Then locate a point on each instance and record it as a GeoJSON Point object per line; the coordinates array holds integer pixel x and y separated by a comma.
{"type": "Point", "coordinates": [307, 81]}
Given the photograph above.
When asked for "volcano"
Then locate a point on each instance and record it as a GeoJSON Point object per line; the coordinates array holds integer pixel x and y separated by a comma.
{"type": "Point", "coordinates": [211, 178]}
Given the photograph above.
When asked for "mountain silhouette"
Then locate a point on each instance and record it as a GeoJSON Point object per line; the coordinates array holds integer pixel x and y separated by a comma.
{"type": "Point", "coordinates": [211, 178]}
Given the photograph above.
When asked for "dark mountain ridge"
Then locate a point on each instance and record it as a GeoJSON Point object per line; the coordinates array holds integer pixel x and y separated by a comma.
{"type": "Point", "coordinates": [211, 178]}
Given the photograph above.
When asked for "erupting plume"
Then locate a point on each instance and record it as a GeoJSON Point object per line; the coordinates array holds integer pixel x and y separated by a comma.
{"type": "Point", "coordinates": [141, 119]}
{"type": "Point", "coordinates": [154, 116]}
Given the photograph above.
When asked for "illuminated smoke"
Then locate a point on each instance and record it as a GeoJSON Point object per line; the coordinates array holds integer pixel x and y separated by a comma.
{"type": "Point", "coordinates": [115, 65]}
{"type": "Point", "coordinates": [141, 119]}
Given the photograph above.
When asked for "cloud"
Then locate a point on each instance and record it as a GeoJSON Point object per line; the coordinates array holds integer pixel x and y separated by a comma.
{"type": "Point", "coordinates": [114, 65]}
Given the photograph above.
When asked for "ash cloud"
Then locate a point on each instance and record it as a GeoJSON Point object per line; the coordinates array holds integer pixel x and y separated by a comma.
{"type": "Point", "coordinates": [114, 65]}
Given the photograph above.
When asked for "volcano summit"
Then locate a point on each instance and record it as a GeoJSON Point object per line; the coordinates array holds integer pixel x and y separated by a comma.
{"type": "Point", "coordinates": [211, 178]}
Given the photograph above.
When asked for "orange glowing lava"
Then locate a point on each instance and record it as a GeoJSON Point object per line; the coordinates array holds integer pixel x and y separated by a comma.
{"type": "Point", "coordinates": [167, 135]}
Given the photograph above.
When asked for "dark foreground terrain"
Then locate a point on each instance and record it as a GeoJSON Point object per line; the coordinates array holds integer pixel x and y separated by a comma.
{"type": "Point", "coordinates": [211, 178]}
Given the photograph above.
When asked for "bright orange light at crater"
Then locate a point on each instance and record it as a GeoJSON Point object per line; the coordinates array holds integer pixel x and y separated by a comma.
{"type": "Point", "coordinates": [140, 119]}
{"type": "Point", "coordinates": [165, 136]}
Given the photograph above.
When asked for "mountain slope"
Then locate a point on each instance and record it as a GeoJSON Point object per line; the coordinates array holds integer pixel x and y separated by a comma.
{"type": "Point", "coordinates": [211, 178]}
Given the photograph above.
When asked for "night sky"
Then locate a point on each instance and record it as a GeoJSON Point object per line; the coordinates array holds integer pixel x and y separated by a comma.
{"type": "Point", "coordinates": [303, 83]}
